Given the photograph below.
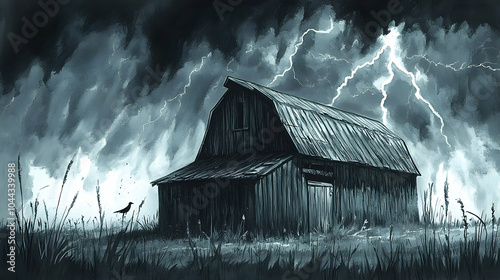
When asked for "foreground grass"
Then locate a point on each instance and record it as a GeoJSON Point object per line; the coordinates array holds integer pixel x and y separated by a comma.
{"type": "Point", "coordinates": [136, 254]}
{"type": "Point", "coordinates": [58, 248]}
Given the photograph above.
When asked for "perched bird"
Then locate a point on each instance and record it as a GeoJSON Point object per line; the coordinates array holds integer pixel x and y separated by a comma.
{"type": "Point", "coordinates": [124, 210]}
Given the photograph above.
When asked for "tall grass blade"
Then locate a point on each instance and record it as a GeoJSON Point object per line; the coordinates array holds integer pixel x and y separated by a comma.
{"type": "Point", "coordinates": [62, 186]}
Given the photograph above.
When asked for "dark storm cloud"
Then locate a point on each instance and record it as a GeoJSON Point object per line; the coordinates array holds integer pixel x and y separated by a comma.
{"type": "Point", "coordinates": [171, 24]}
{"type": "Point", "coordinates": [52, 42]}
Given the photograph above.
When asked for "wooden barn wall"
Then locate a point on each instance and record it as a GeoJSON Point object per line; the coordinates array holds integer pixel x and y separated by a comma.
{"type": "Point", "coordinates": [363, 193]}
{"type": "Point", "coordinates": [223, 139]}
{"type": "Point", "coordinates": [276, 202]}
{"type": "Point", "coordinates": [281, 201]}
{"type": "Point", "coordinates": [223, 209]}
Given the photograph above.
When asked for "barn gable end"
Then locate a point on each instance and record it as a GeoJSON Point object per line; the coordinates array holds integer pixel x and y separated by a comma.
{"type": "Point", "coordinates": [261, 130]}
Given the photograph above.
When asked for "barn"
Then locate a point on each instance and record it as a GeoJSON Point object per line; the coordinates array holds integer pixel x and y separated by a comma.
{"type": "Point", "coordinates": [272, 163]}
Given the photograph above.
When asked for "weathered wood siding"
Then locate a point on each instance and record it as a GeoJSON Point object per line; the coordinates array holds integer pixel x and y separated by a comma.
{"type": "Point", "coordinates": [205, 205]}
{"type": "Point", "coordinates": [271, 204]}
{"type": "Point", "coordinates": [263, 130]}
{"type": "Point", "coordinates": [362, 193]}
{"type": "Point", "coordinates": [280, 198]}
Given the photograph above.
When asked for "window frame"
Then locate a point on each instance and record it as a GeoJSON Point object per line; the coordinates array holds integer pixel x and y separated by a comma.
{"type": "Point", "coordinates": [241, 117]}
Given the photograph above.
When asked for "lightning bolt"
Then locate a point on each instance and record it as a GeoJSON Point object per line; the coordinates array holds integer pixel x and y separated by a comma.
{"type": "Point", "coordinates": [384, 92]}
{"type": "Point", "coordinates": [227, 66]}
{"type": "Point", "coordinates": [195, 70]}
{"type": "Point", "coordinates": [297, 79]}
{"type": "Point", "coordinates": [297, 46]}
{"type": "Point", "coordinates": [180, 95]}
{"type": "Point", "coordinates": [391, 43]}
{"type": "Point", "coordinates": [250, 48]}
{"type": "Point", "coordinates": [394, 60]}
{"type": "Point", "coordinates": [482, 65]}
{"type": "Point", "coordinates": [159, 116]}
{"type": "Point", "coordinates": [463, 66]}
{"type": "Point", "coordinates": [451, 66]}
{"type": "Point", "coordinates": [361, 93]}
{"type": "Point", "coordinates": [324, 57]}
{"type": "Point", "coordinates": [356, 69]}
{"type": "Point", "coordinates": [113, 54]}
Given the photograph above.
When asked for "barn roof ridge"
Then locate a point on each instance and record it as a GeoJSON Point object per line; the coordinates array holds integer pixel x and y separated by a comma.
{"type": "Point", "coordinates": [308, 100]}
{"type": "Point", "coordinates": [385, 131]}
{"type": "Point", "coordinates": [334, 134]}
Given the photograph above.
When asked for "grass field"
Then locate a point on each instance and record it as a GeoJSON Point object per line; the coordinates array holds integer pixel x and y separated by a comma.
{"type": "Point", "coordinates": [59, 248]}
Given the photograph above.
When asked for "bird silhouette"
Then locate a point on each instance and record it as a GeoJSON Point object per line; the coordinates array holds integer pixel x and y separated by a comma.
{"type": "Point", "coordinates": [124, 210]}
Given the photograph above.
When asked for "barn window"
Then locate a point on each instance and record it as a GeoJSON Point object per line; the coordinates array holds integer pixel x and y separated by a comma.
{"type": "Point", "coordinates": [241, 116]}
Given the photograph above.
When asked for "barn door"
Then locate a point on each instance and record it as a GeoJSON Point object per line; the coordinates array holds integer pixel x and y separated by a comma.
{"type": "Point", "coordinates": [320, 206]}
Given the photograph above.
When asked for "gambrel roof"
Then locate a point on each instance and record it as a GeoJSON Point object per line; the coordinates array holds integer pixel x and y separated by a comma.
{"type": "Point", "coordinates": [326, 132]}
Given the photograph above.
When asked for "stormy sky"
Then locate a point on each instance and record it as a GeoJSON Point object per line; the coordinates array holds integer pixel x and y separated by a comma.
{"type": "Point", "coordinates": [125, 87]}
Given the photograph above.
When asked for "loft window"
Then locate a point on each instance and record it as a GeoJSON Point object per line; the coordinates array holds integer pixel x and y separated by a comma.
{"type": "Point", "coordinates": [240, 116]}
